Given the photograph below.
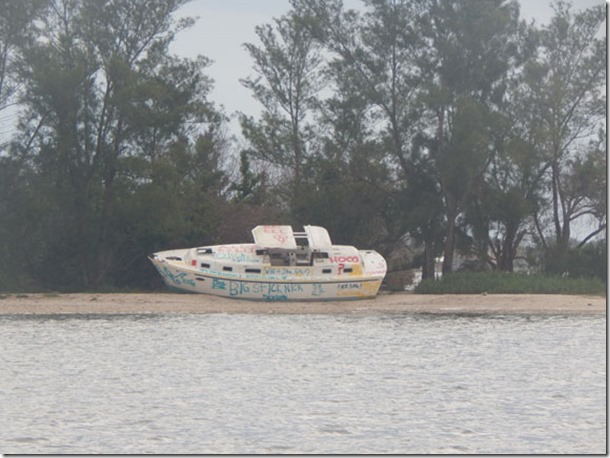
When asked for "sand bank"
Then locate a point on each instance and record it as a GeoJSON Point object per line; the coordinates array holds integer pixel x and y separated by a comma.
{"type": "Point", "coordinates": [384, 303]}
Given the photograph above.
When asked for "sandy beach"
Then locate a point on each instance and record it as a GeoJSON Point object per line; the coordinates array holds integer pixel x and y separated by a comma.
{"type": "Point", "coordinates": [132, 303]}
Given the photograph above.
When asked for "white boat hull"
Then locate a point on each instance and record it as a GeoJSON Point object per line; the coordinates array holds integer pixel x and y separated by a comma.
{"type": "Point", "coordinates": [272, 288]}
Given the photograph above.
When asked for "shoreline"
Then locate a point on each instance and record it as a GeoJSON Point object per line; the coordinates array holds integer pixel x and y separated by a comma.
{"type": "Point", "coordinates": [172, 303]}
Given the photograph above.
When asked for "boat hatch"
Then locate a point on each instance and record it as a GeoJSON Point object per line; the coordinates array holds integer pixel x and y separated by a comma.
{"type": "Point", "coordinates": [318, 237]}
{"type": "Point", "coordinates": [274, 237]}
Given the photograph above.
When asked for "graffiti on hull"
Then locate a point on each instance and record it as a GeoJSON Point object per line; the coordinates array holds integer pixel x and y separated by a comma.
{"type": "Point", "coordinates": [269, 291]}
{"type": "Point", "coordinates": [179, 279]}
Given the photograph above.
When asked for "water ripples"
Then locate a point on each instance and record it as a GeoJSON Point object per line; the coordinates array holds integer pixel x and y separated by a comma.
{"type": "Point", "coordinates": [243, 384]}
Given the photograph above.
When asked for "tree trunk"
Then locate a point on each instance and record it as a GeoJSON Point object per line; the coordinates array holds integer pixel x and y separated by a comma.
{"type": "Point", "coordinates": [449, 245]}
{"type": "Point", "coordinates": [103, 252]}
{"type": "Point", "coordinates": [428, 265]}
{"type": "Point", "coordinates": [452, 213]}
{"type": "Point", "coordinates": [507, 257]}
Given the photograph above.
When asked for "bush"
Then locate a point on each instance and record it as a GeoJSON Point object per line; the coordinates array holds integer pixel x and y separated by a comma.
{"type": "Point", "coordinates": [589, 261]}
{"type": "Point", "coordinates": [509, 283]}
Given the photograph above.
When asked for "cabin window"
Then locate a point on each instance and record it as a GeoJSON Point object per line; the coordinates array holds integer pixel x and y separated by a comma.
{"type": "Point", "coordinates": [320, 255]}
{"type": "Point", "coordinates": [227, 269]}
{"type": "Point", "coordinates": [205, 265]}
{"type": "Point", "coordinates": [204, 251]}
{"type": "Point", "coordinates": [348, 270]}
{"type": "Point", "coordinates": [174, 258]}
{"type": "Point", "coordinates": [326, 271]}
{"type": "Point", "coordinates": [253, 271]}
{"type": "Point", "coordinates": [199, 278]}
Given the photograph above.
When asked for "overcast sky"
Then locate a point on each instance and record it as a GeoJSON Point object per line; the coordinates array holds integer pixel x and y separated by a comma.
{"type": "Point", "coordinates": [224, 25]}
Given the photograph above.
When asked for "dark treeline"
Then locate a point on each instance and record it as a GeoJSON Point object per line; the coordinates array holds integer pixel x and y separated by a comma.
{"type": "Point", "coordinates": [423, 129]}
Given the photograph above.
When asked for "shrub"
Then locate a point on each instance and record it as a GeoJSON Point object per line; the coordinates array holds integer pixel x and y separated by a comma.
{"type": "Point", "coordinates": [509, 283]}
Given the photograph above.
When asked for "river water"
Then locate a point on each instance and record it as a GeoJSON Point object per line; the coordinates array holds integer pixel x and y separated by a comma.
{"type": "Point", "coordinates": [245, 384]}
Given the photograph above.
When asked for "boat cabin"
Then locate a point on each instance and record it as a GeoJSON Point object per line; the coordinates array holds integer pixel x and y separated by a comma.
{"type": "Point", "coordinates": [281, 246]}
{"type": "Point", "coordinates": [277, 246]}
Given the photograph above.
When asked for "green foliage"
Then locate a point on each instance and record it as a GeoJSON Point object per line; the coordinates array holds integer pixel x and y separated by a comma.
{"type": "Point", "coordinates": [106, 123]}
{"type": "Point", "coordinates": [509, 283]}
{"type": "Point", "coordinates": [347, 198]}
{"type": "Point", "coordinates": [250, 188]}
{"type": "Point", "coordinates": [589, 261]}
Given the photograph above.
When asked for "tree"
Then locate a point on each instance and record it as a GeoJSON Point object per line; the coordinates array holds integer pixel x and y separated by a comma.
{"type": "Point", "coordinates": [287, 82]}
{"type": "Point", "coordinates": [18, 29]}
{"type": "Point", "coordinates": [424, 206]}
{"type": "Point", "coordinates": [566, 84]}
{"type": "Point", "coordinates": [101, 93]}
{"type": "Point", "coordinates": [586, 187]}
{"type": "Point", "coordinates": [378, 69]}
{"type": "Point", "coordinates": [500, 211]}
{"type": "Point", "coordinates": [514, 182]}
{"type": "Point", "coordinates": [583, 195]}
{"type": "Point", "coordinates": [179, 204]}
{"type": "Point", "coordinates": [472, 48]}
{"type": "Point", "coordinates": [378, 55]}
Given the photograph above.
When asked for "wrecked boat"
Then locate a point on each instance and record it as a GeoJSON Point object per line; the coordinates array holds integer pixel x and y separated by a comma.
{"type": "Point", "coordinates": [281, 265]}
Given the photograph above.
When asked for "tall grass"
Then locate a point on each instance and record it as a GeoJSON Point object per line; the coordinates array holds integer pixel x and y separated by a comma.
{"type": "Point", "coordinates": [509, 283]}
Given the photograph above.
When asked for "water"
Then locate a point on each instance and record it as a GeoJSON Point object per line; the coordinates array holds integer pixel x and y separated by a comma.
{"type": "Point", "coordinates": [244, 384]}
